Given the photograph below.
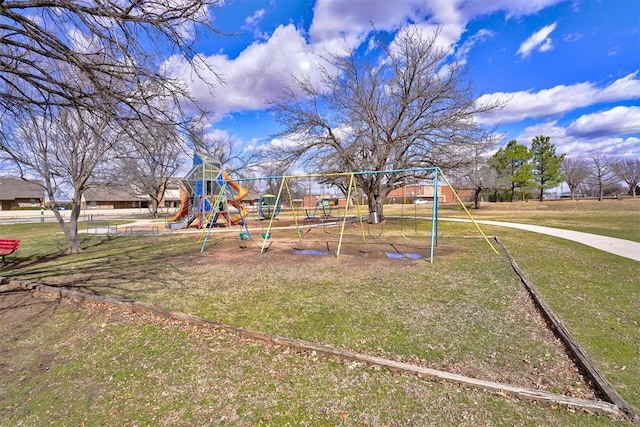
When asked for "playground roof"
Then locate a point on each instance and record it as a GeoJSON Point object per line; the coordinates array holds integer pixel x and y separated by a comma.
{"type": "Point", "coordinates": [200, 157]}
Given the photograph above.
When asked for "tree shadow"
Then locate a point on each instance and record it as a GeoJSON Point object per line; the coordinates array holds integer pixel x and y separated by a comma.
{"type": "Point", "coordinates": [18, 262]}
{"type": "Point", "coordinates": [133, 272]}
{"type": "Point", "coordinates": [21, 309]}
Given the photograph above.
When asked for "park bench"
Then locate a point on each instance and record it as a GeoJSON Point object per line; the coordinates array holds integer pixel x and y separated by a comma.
{"type": "Point", "coordinates": [7, 247]}
{"type": "Point", "coordinates": [101, 227]}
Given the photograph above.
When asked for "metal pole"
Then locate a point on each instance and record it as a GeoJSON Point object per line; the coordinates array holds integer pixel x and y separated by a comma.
{"type": "Point", "coordinates": [468, 213]}
{"type": "Point", "coordinates": [267, 235]}
{"type": "Point", "coordinates": [344, 218]}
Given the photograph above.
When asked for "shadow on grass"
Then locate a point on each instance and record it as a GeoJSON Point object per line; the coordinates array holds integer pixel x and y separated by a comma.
{"type": "Point", "coordinates": [21, 310]}
{"type": "Point", "coordinates": [108, 266]}
{"type": "Point", "coordinates": [25, 263]}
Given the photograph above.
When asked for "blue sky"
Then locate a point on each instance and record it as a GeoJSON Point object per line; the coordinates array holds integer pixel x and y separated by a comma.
{"type": "Point", "coordinates": [569, 69]}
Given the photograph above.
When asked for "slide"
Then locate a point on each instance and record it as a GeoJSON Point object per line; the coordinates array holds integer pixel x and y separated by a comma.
{"type": "Point", "coordinates": [241, 194]}
{"type": "Point", "coordinates": [183, 209]}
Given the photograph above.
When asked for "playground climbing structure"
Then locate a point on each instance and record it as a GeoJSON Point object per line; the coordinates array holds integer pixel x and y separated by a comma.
{"type": "Point", "coordinates": [207, 194]}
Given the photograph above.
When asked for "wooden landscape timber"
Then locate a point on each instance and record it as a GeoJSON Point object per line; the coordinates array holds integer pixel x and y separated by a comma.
{"type": "Point", "coordinates": [579, 354]}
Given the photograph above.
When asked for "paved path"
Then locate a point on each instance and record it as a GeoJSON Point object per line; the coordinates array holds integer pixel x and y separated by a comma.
{"type": "Point", "coordinates": [621, 247]}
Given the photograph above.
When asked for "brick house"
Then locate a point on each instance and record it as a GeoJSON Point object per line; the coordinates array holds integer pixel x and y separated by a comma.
{"type": "Point", "coordinates": [171, 196]}
{"type": "Point", "coordinates": [113, 197]}
{"type": "Point", "coordinates": [411, 193]}
{"type": "Point", "coordinates": [16, 193]}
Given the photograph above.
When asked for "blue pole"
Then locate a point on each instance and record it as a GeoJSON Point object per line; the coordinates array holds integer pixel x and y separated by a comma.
{"type": "Point", "coordinates": [434, 215]}
{"type": "Point", "coordinates": [437, 198]}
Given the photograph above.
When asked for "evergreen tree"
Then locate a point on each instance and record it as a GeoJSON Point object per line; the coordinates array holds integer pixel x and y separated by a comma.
{"type": "Point", "coordinates": [547, 166]}
{"type": "Point", "coordinates": [512, 166]}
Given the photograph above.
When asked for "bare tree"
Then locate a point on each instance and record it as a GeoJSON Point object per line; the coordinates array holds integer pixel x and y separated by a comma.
{"type": "Point", "coordinates": [628, 170]}
{"type": "Point", "coordinates": [64, 147]}
{"type": "Point", "coordinates": [231, 154]}
{"type": "Point", "coordinates": [271, 182]}
{"type": "Point", "coordinates": [401, 107]}
{"type": "Point", "coordinates": [602, 174]}
{"type": "Point", "coordinates": [98, 43]}
{"type": "Point", "coordinates": [479, 176]}
{"type": "Point", "coordinates": [147, 159]}
{"type": "Point", "coordinates": [75, 75]}
{"type": "Point", "coordinates": [483, 178]}
{"type": "Point", "coordinates": [575, 172]}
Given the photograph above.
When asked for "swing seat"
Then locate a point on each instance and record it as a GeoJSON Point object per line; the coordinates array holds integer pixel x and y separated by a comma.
{"type": "Point", "coordinates": [311, 217]}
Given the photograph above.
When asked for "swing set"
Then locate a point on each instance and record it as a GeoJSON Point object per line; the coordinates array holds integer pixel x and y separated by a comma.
{"type": "Point", "coordinates": [324, 207]}
{"type": "Point", "coordinates": [269, 206]}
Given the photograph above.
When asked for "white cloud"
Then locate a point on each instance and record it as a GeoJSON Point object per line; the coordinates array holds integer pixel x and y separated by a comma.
{"type": "Point", "coordinates": [512, 8]}
{"type": "Point", "coordinates": [546, 46]}
{"type": "Point", "coordinates": [259, 72]}
{"type": "Point", "coordinates": [581, 145]}
{"type": "Point", "coordinates": [557, 100]}
{"type": "Point", "coordinates": [335, 19]}
{"type": "Point", "coordinates": [339, 19]}
{"type": "Point", "coordinates": [463, 51]}
{"type": "Point", "coordinates": [617, 120]}
{"type": "Point", "coordinates": [572, 38]}
{"type": "Point", "coordinates": [283, 142]}
{"type": "Point", "coordinates": [540, 40]}
{"type": "Point", "coordinates": [252, 20]}
{"type": "Point", "coordinates": [550, 129]}
{"type": "Point", "coordinates": [252, 78]}
{"type": "Point", "coordinates": [627, 87]}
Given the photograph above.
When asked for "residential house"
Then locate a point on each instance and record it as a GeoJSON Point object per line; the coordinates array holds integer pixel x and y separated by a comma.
{"type": "Point", "coordinates": [114, 196]}
{"type": "Point", "coordinates": [171, 197]}
{"type": "Point", "coordinates": [413, 193]}
{"type": "Point", "coordinates": [16, 193]}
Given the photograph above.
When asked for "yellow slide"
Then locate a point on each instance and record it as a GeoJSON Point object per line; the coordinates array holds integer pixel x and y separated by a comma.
{"type": "Point", "coordinates": [242, 193]}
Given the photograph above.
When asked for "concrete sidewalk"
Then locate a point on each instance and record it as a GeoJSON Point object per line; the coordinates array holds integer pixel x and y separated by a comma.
{"type": "Point", "coordinates": [620, 247]}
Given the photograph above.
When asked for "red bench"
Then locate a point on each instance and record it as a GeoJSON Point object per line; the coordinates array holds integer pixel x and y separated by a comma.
{"type": "Point", "coordinates": [7, 247]}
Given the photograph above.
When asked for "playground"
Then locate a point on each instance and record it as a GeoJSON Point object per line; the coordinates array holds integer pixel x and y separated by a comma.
{"type": "Point", "coordinates": [306, 214]}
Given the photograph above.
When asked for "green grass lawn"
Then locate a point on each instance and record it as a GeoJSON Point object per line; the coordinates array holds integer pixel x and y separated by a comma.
{"type": "Point", "coordinates": [614, 218]}
{"type": "Point", "coordinates": [465, 313]}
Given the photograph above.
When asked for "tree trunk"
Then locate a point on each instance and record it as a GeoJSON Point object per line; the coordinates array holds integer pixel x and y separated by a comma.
{"type": "Point", "coordinates": [600, 192]}
{"type": "Point", "coordinates": [476, 197]}
{"type": "Point", "coordinates": [72, 235]}
{"type": "Point", "coordinates": [376, 213]}
{"type": "Point", "coordinates": [70, 230]}
{"type": "Point", "coordinates": [154, 208]}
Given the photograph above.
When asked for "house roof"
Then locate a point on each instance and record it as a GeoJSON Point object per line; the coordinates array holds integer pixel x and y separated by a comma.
{"type": "Point", "coordinates": [172, 195]}
{"type": "Point", "coordinates": [174, 182]}
{"type": "Point", "coordinates": [16, 188]}
{"type": "Point", "coordinates": [112, 193]}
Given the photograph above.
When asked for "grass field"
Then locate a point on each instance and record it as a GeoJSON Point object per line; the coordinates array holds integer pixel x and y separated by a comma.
{"type": "Point", "coordinates": [614, 218]}
{"type": "Point", "coordinates": [466, 313]}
